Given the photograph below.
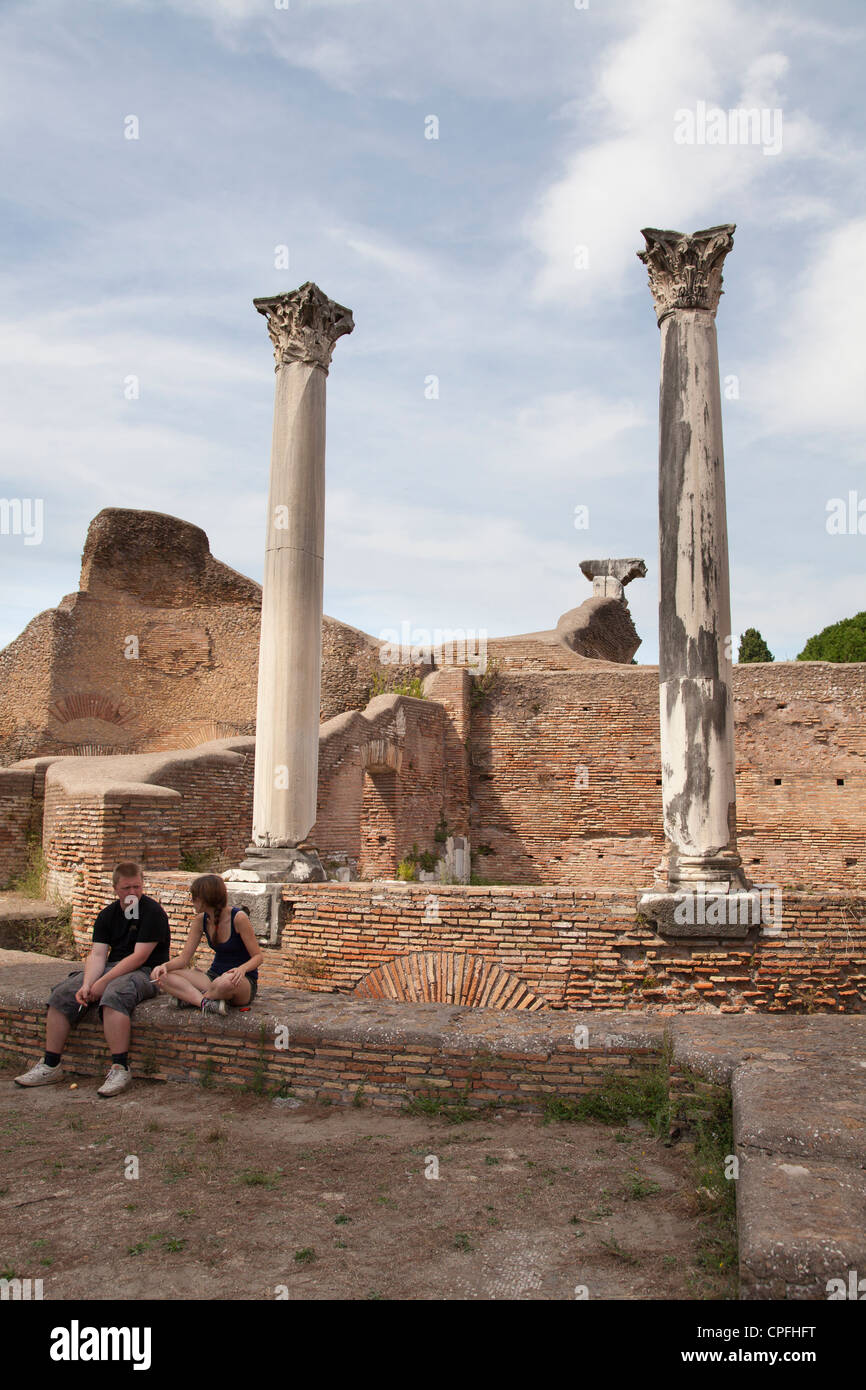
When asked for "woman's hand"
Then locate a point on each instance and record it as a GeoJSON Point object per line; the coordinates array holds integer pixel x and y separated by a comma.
{"type": "Point", "coordinates": [235, 976]}
{"type": "Point", "coordinates": [158, 971]}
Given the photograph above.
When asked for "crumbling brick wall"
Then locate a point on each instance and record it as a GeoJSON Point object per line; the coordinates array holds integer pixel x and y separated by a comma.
{"type": "Point", "coordinates": [157, 650]}
{"type": "Point", "coordinates": [566, 776]}
{"type": "Point", "coordinates": [573, 949]}
{"type": "Point", "coordinates": [16, 820]}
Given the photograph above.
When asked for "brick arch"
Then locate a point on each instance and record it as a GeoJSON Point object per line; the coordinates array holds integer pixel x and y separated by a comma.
{"type": "Point", "coordinates": [190, 735]}
{"type": "Point", "coordinates": [86, 704]}
{"type": "Point", "coordinates": [380, 755]}
{"type": "Point", "coordinates": [380, 811]}
{"type": "Point", "coordinates": [442, 977]}
{"type": "Point", "coordinates": [97, 750]}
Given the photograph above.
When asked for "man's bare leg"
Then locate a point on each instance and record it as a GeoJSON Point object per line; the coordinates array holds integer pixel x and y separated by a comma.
{"type": "Point", "coordinates": [57, 1028]}
{"type": "Point", "coordinates": [117, 1028]}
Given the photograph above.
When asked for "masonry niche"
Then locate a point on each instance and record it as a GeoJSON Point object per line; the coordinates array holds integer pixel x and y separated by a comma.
{"type": "Point", "coordinates": [380, 809]}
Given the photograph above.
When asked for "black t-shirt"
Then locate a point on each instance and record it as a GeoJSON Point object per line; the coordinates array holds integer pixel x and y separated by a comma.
{"type": "Point", "coordinates": [122, 934]}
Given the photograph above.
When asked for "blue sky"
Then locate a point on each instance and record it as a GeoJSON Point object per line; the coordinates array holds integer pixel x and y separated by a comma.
{"type": "Point", "coordinates": [305, 128]}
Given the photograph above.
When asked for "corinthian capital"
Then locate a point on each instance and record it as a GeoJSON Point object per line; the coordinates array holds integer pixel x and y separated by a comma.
{"type": "Point", "coordinates": [685, 272]}
{"type": "Point", "coordinates": [304, 325]}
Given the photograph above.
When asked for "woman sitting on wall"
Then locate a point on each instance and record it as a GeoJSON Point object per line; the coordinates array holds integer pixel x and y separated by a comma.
{"type": "Point", "coordinates": [233, 974]}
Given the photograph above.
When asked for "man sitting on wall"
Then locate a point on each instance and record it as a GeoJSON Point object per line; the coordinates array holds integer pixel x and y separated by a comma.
{"type": "Point", "coordinates": [130, 937]}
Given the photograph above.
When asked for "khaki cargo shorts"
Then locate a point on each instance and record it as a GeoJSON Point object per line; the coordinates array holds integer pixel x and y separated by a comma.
{"type": "Point", "coordinates": [122, 993]}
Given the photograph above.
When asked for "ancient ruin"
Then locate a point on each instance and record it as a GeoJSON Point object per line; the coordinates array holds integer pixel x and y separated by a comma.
{"type": "Point", "coordinates": [535, 787]}
{"type": "Point", "coordinates": [540, 831]}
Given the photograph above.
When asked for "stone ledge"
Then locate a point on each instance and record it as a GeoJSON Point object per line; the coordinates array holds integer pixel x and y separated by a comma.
{"type": "Point", "coordinates": [803, 1110]}
{"type": "Point", "coordinates": [314, 1017]}
{"type": "Point", "coordinates": [801, 1224]}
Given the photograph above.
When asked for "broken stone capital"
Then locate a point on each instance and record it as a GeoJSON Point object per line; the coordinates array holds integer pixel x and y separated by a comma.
{"type": "Point", "coordinates": [304, 325]}
{"type": "Point", "coordinates": [608, 577]}
{"type": "Point", "coordinates": [685, 271]}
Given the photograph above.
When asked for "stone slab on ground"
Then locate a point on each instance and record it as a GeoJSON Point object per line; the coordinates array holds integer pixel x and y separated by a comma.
{"type": "Point", "coordinates": [716, 1046]}
{"type": "Point", "coordinates": [814, 1109]}
{"type": "Point", "coordinates": [801, 1224]}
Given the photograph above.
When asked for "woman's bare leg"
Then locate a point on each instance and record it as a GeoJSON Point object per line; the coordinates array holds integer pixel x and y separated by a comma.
{"type": "Point", "coordinates": [232, 994]}
{"type": "Point", "coordinates": [190, 985]}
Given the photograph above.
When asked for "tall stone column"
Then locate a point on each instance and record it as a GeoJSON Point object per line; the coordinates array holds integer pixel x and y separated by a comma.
{"type": "Point", "coordinates": [697, 735]}
{"type": "Point", "coordinates": [304, 326]}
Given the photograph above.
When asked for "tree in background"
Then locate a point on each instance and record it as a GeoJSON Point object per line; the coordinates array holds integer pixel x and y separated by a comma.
{"type": "Point", "coordinates": [844, 641]}
{"type": "Point", "coordinates": [753, 647]}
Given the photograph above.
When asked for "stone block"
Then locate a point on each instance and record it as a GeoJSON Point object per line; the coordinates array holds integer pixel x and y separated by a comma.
{"type": "Point", "coordinates": [801, 1224]}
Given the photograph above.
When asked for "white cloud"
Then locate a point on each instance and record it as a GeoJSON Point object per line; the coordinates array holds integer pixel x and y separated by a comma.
{"type": "Point", "coordinates": [443, 566]}
{"type": "Point", "coordinates": [810, 378]}
{"type": "Point", "coordinates": [569, 435]}
{"type": "Point", "coordinates": [630, 173]}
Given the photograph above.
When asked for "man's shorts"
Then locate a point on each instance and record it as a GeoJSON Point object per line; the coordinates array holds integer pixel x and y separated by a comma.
{"type": "Point", "coordinates": [122, 993]}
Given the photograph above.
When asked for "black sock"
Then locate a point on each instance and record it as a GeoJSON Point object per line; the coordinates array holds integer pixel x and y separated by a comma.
{"type": "Point", "coordinates": [121, 1058]}
{"type": "Point", "coordinates": [52, 1059]}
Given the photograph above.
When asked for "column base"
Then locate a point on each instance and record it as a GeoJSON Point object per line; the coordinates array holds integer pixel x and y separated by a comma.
{"type": "Point", "coordinates": [702, 910]}
{"type": "Point", "coordinates": [256, 885]}
{"type": "Point", "coordinates": [278, 864]}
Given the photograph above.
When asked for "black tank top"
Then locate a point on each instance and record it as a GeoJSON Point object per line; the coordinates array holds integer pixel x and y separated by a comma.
{"type": "Point", "coordinates": [228, 955]}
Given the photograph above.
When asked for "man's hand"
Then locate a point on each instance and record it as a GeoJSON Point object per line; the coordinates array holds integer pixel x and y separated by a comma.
{"type": "Point", "coordinates": [82, 996]}
{"type": "Point", "coordinates": [158, 971]}
{"type": "Point", "coordinates": [96, 989]}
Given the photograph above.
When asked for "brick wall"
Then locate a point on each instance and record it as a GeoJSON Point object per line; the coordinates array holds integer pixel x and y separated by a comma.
{"type": "Point", "coordinates": [148, 807]}
{"type": "Point", "coordinates": [387, 776]}
{"type": "Point", "coordinates": [390, 1070]}
{"type": "Point", "coordinates": [566, 777]}
{"type": "Point", "coordinates": [572, 949]}
{"type": "Point", "coordinates": [559, 781]}
{"type": "Point", "coordinates": [16, 820]}
{"type": "Point", "coordinates": [154, 807]}
{"type": "Point", "coordinates": [157, 650]}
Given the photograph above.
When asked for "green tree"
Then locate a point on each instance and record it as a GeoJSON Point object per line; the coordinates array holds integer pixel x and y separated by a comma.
{"type": "Point", "coordinates": [753, 647]}
{"type": "Point", "coordinates": [843, 641]}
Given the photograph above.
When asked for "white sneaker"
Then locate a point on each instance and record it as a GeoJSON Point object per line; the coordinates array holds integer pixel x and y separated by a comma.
{"type": "Point", "coordinates": [40, 1075]}
{"type": "Point", "coordinates": [116, 1081]}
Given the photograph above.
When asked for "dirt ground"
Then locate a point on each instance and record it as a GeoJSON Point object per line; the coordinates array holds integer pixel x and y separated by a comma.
{"type": "Point", "coordinates": [245, 1197]}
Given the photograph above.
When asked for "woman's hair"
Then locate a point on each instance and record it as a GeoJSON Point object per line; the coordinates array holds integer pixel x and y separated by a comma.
{"type": "Point", "coordinates": [210, 890]}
